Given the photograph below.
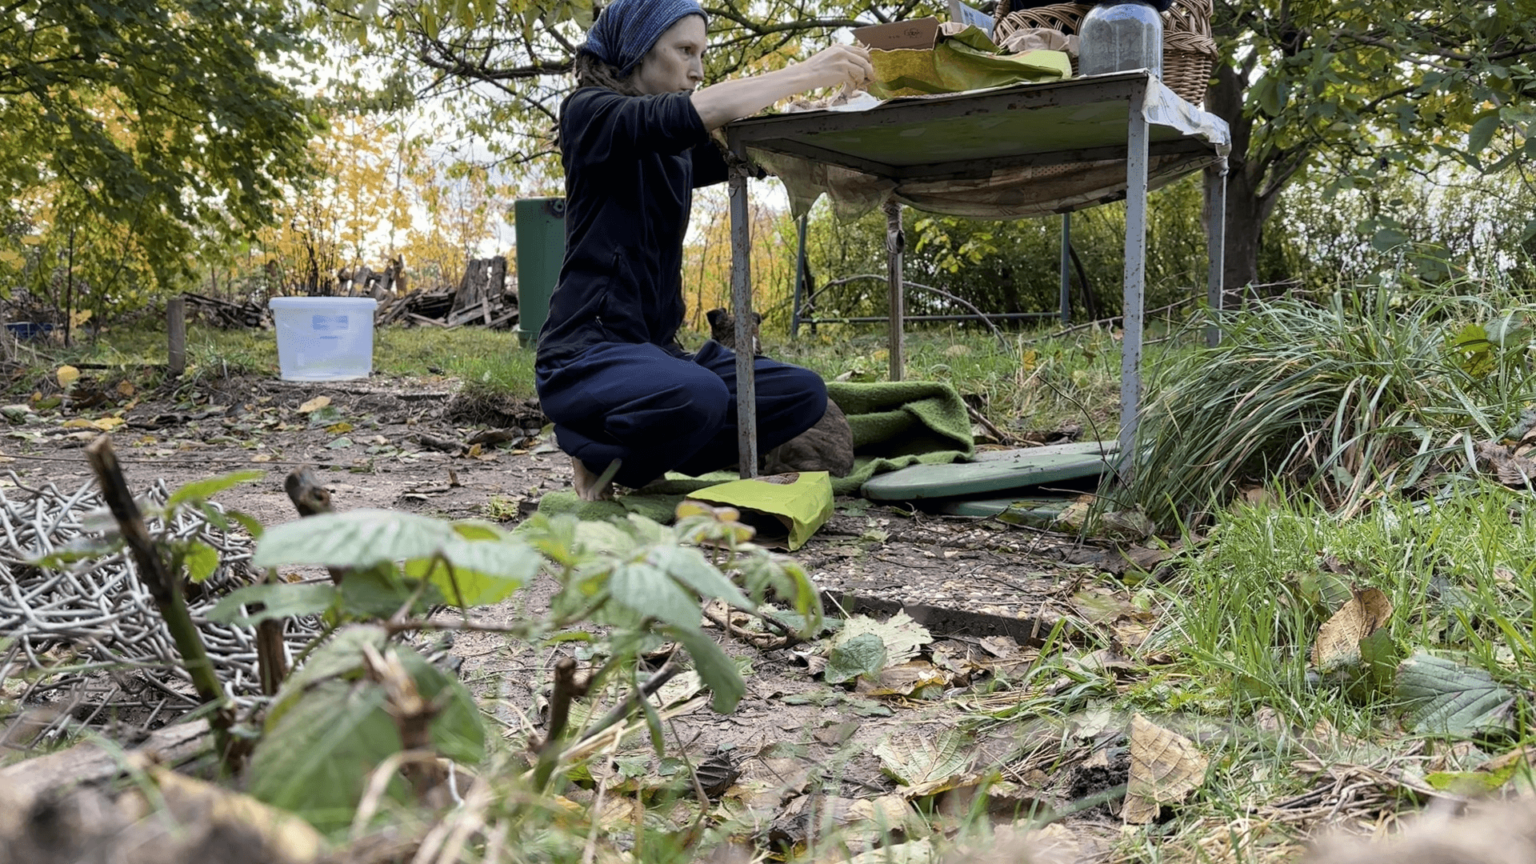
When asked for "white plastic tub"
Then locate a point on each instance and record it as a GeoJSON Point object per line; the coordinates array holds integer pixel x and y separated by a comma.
{"type": "Point", "coordinates": [323, 338]}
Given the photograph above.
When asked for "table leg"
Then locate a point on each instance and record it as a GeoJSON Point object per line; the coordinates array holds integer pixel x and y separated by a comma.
{"type": "Point", "coordinates": [1066, 265]}
{"type": "Point", "coordinates": [895, 241]}
{"type": "Point", "coordinates": [794, 309]}
{"type": "Point", "coordinates": [1135, 277]}
{"type": "Point", "coordinates": [1215, 244]}
{"type": "Point", "coordinates": [741, 306]}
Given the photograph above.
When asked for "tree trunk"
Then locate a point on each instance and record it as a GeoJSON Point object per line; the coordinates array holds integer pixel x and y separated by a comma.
{"type": "Point", "coordinates": [1245, 212]}
{"type": "Point", "coordinates": [1244, 234]}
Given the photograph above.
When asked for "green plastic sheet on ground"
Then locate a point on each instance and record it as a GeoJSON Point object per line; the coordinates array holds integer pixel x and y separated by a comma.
{"type": "Point", "coordinates": [965, 61]}
{"type": "Point", "coordinates": [895, 424]}
{"type": "Point", "coordinates": [657, 508]}
{"type": "Point", "coordinates": [799, 506]}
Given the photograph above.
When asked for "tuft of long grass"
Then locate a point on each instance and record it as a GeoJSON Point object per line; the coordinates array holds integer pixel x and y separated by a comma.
{"type": "Point", "coordinates": [1369, 392]}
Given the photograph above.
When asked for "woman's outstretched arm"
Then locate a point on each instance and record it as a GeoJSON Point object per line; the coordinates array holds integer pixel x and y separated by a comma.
{"type": "Point", "coordinates": [719, 104]}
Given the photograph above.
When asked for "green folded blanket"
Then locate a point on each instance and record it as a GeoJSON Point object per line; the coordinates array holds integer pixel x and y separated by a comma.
{"type": "Point", "coordinates": [895, 424]}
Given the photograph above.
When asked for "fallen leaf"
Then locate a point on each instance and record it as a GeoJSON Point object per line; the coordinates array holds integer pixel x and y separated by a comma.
{"type": "Point", "coordinates": [1127, 525]}
{"type": "Point", "coordinates": [1338, 641]}
{"type": "Point", "coordinates": [905, 680]}
{"type": "Point", "coordinates": [314, 404]}
{"type": "Point", "coordinates": [339, 444]}
{"type": "Point", "coordinates": [1075, 515]}
{"type": "Point", "coordinates": [338, 428]}
{"type": "Point", "coordinates": [1511, 470]}
{"type": "Point", "coordinates": [1000, 646]}
{"type": "Point", "coordinates": [125, 389]}
{"type": "Point", "coordinates": [67, 376]}
{"type": "Point", "coordinates": [1258, 496]}
{"type": "Point", "coordinates": [1165, 768]}
{"type": "Point", "coordinates": [262, 457]}
{"type": "Point", "coordinates": [864, 654]}
{"type": "Point", "coordinates": [924, 763]}
{"type": "Point", "coordinates": [902, 636]}
{"type": "Point", "coordinates": [1444, 697]}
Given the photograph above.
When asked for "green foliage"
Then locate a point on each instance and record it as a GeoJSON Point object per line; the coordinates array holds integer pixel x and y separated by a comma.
{"type": "Point", "coordinates": [133, 129]}
{"type": "Point", "coordinates": [278, 601]}
{"type": "Point", "coordinates": [1245, 614]}
{"type": "Point", "coordinates": [199, 491]}
{"type": "Point", "coordinates": [317, 758]}
{"type": "Point", "coordinates": [1353, 398]}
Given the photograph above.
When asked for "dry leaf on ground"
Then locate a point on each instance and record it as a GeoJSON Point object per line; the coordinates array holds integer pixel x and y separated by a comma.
{"type": "Point", "coordinates": [902, 636]}
{"type": "Point", "coordinates": [905, 680]}
{"type": "Point", "coordinates": [1509, 469]}
{"type": "Point", "coordinates": [67, 375]}
{"type": "Point", "coordinates": [1338, 641]}
{"type": "Point", "coordinates": [924, 763]}
{"type": "Point", "coordinates": [1165, 768]}
{"type": "Point", "coordinates": [314, 404]}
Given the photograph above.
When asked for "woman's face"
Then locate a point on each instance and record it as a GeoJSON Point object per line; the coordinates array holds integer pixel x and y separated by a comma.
{"type": "Point", "coordinates": [676, 61]}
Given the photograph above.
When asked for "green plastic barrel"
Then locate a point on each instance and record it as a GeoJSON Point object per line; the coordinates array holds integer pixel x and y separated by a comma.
{"type": "Point", "coordinates": [540, 226]}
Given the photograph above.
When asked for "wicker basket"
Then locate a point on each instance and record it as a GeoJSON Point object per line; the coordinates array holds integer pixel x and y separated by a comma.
{"type": "Point", "coordinates": [1189, 52]}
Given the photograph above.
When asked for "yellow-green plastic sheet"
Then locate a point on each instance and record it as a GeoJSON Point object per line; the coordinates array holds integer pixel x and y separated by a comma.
{"type": "Point", "coordinates": [800, 506]}
{"type": "Point", "coordinates": [967, 60]}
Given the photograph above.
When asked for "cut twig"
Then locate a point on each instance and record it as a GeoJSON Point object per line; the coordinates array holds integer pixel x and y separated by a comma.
{"type": "Point", "coordinates": [565, 691]}
{"type": "Point", "coordinates": [443, 445]}
{"type": "Point", "coordinates": [632, 702]}
{"type": "Point", "coordinates": [1000, 435]}
{"type": "Point", "coordinates": [311, 499]}
{"type": "Point", "coordinates": [165, 588]}
{"type": "Point", "coordinates": [306, 493]}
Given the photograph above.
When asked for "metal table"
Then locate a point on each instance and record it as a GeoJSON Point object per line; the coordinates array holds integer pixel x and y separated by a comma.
{"type": "Point", "coordinates": [940, 153]}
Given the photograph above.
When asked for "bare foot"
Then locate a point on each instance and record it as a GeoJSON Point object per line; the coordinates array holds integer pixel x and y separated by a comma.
{"type": "Point", "coordinates": [586, 483]}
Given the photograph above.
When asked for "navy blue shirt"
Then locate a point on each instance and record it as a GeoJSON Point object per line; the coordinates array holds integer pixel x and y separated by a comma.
{"type": "Point", "coordinates": [631, 165]}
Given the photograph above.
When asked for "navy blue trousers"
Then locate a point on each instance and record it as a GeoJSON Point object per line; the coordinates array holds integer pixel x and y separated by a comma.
{"type": "Point", "coordinates": [658, 412]}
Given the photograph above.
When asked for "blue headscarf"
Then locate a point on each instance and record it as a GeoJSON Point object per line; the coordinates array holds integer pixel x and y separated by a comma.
{"type": "Point", "coordinates": [627, 29]}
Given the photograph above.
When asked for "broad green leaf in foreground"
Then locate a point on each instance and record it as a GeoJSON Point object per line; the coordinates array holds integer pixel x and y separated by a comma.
{"type": "Point", "coordinates": [78, 549]}
{"type": "Point", "coordinates": [201, 560]}
{"type": "Point", "coordinates": [650, 592]}
{"type": "Point", "coordinates": [357, 538]}
{"type": "Point", "coordinates": [316, 759]}
{"type": "Point", "coordinates": [484, 571]}
{"type": "Point", "coordinates": [687, 565]}
{"type": "Point", "coordinates": [342, 657]}
{"type": "Point", "coordinates": [202, 490]}
{"type": "Point", "coordinates": [864, 654]}
{"type": "Point", "coordinates": [1444, 697]}
{"type": "Point", "coordinates": [714, 667]}
{"type": "Point", "coordinates": [279, 600]}
{"type": "Point", "coordinates": [456, 730]}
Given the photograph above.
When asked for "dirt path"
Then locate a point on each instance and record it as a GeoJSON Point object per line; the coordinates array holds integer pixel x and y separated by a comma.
{"type": "Point", "coordinates": [986, 592]}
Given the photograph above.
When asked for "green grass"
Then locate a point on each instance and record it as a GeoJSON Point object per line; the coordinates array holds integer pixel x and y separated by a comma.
{"type": "Point", "coordinates": [483, 359]}
{"type": "Point", "coordinates": [1033, 382]}
{"type": "Point", "coordinates": [1366, 393]}
{"type": "Point", "coordinates": [1242, 617]}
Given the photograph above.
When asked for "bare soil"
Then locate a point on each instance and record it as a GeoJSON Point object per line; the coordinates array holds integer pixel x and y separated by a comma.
{"type": "Point", "coordinates": [967, 581]}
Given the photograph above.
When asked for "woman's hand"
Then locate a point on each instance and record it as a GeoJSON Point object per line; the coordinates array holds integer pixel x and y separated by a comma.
{"type": "Point", "coordinates": [840, 65]}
